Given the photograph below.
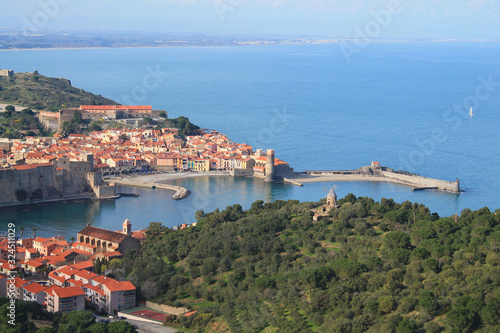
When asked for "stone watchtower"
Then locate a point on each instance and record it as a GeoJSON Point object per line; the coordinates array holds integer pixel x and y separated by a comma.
{"type": "Point", "coordinates": [331, 198]}
{"type": "Point", "coordinates": [269, 166]}
{"type": "Point", "coordinates": [127, 227]}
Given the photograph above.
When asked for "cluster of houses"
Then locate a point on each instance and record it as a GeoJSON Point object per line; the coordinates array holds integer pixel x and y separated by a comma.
{"type": "Point", "coordinates": [139, 149]}
{"type": "Point", "coordinates": [60, 275]}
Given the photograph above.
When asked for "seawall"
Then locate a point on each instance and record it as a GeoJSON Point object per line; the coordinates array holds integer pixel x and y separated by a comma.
{"type": "Point", "coordinates": [419, 181]}
{"type": "Point", "coordinates": [414, 181]}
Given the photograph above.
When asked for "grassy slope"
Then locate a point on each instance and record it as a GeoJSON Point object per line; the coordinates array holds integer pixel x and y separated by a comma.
{"type": "Point", "coordinates": [45, 93]}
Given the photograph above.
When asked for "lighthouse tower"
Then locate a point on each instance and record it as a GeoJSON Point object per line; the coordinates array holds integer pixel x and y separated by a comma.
{"type": "Point", "coordinates": [270, 166]}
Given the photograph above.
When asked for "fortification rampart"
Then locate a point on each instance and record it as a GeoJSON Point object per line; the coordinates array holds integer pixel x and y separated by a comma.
{"type": "Point", "coordinates": [59, 181]}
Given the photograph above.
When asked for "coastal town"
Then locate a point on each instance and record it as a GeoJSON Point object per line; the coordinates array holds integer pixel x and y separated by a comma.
{"type": "Point", "coordinates": [57, 168]}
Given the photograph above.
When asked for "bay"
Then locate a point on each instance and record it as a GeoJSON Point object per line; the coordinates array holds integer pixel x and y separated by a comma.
{"type": "Point", "coordinates": [392, 103]}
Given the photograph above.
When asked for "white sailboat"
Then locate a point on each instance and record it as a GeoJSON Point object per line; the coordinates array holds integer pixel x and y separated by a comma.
{"type": "Point", "coordinates": [470, 112]}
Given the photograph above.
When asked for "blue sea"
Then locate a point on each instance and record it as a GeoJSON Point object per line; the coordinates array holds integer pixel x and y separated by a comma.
{"type": "Point", "coordinates": [403, 104]}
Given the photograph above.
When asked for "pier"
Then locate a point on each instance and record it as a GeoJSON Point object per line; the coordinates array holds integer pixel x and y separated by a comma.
{"type": "Point", "coordinates": [180, 192]}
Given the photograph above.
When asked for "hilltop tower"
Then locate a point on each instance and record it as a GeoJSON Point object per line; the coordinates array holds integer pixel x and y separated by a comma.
{"type": "Point", "coordinates": [270, 166]}
{"type": "Point", "coordinates": [331, 198]}
{"type": "Point", "coordinates": [127, 227]}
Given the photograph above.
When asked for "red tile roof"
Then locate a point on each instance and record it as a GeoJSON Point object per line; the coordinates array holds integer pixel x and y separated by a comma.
{"type": "Point", "coordinates": [119, 286]}
{"type": "Point", "coordinates": [83, 265]}
{"type": "Point", "coordinates": [68, 292]}
{"type": "Point", "coordinates": [29, 166]}
{"type": "Point", "coordinates": [35, 288]}
{"type": "Point", "coordinates": [107, 235]}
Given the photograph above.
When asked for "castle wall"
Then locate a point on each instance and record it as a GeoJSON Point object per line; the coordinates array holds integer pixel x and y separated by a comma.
{"type": "Point", "coordinates": [58, 181]}
{"type": "Point", "coordinates": [31, 180]}
{"type": "Point", "coordinates": [105, 191]}
{"type": "Point", "coordinates": [283, 171]}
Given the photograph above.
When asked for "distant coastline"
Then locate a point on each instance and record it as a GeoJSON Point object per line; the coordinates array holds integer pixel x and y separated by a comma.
{"type": "Point", "coordinates": [188, 44]}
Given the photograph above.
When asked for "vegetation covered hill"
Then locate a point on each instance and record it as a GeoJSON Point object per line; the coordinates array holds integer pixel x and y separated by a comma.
{"type": "Point", "coordinates": [368, 267]}
{"type": "Point", "coordinates": [45, 93]}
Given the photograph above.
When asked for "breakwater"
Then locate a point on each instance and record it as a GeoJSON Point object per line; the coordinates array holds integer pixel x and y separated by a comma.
{"type": "Point", "coordinates": [180, 192]}
{"type": "Point", "coordinates": [375, 173]}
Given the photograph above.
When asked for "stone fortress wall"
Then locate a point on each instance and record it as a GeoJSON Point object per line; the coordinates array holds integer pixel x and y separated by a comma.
{"type": "Point", "coordinates": [62, 180]}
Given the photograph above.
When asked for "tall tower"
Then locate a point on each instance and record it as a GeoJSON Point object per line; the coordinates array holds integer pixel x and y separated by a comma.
{"type": "Point", "coordinates": [127, 227]}
{"type": "Point", "coordinates": [270, 166]}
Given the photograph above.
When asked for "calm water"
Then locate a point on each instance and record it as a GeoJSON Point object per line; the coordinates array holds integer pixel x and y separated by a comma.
{"type": "Point", "coordinates": [393, 103]}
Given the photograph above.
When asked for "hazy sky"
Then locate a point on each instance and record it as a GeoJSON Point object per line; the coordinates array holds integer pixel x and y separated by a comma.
{"type": "Point", "coordinates": [412, 18]}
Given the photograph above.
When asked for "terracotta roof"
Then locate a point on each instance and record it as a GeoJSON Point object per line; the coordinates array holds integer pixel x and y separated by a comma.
{"type": "Point", "coordinates": [74, 282]}
{"type": "Point", "coordinates": [95, 288]}
{"type": "Point", "coordinates": [83, 265]}
{"type": "Point", "coordinates": [68, 292]}
{"type": "Point", "coordinates": [54, 276]}
{"type": "Point", "coordinates": [86, 275]}
{"type": "Point", "coordinates": [119, 286]}
{"type": "Point", "coordinates": [107, 235]}
{"type": "Point", "coordinates": [29, 166]}
{"type": "Point", "coordinates": [33, 263]}
{"type": "Point", "coordinates": [115, 107]}
{"type": "Point", "coordinates": [35, 288]}
{"type": "Point", "coordinates": [103, 279]}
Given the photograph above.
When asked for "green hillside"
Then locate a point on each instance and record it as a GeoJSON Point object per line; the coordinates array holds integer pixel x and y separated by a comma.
{"type": "Point", "coordinates": [45, 93]}
{"type": "Point", "coordinates": [367, 267]}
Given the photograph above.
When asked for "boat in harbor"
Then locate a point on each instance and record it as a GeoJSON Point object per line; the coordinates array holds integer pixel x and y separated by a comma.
{"type": "Point", "coordinates": [470, 112]}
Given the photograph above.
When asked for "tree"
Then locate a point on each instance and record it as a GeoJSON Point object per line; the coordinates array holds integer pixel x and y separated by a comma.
{"type": "Point", "coordinates": [46, 329]}
{"type": "Point", "coordinates": [162, 114]}
{"type": "Point", "coordinates": [72, 239]}
{"type": "Point", "coordinates": [121, 327]}
{"type": "Point", "coordinates": [95, 127]}
{"type": "Point", "coordinates": [427, 302]}
{"type": "Point", "coordinates": [150, 290]}
{"type": "Point", "coordinates": [97, 328]}
{"type": "Point", "coordinates": [9, 111]}
{"type": "Point", "coordinates": [98, 266]}
{"type": "Point", "coordinates": [199, 214]}
{"type": "Point", "coordinates": [81, 319]}
{"type": "Point", "coordinates": [21, 228]}
{"type": "Point", "coordinates": [462, 319]}
{"type": "Point", "coordinates": [148, 120]}
{"type": "Point", "coordinates": [386, 304]}
{"type": "Point", "coordinates": [491, 313]}
{"type": "Point", "coordinates": [407, 326]}
{"type": "Point", "coordinates": [34, 231]}
{"type": "Point", "coordinates": [397, 240]}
